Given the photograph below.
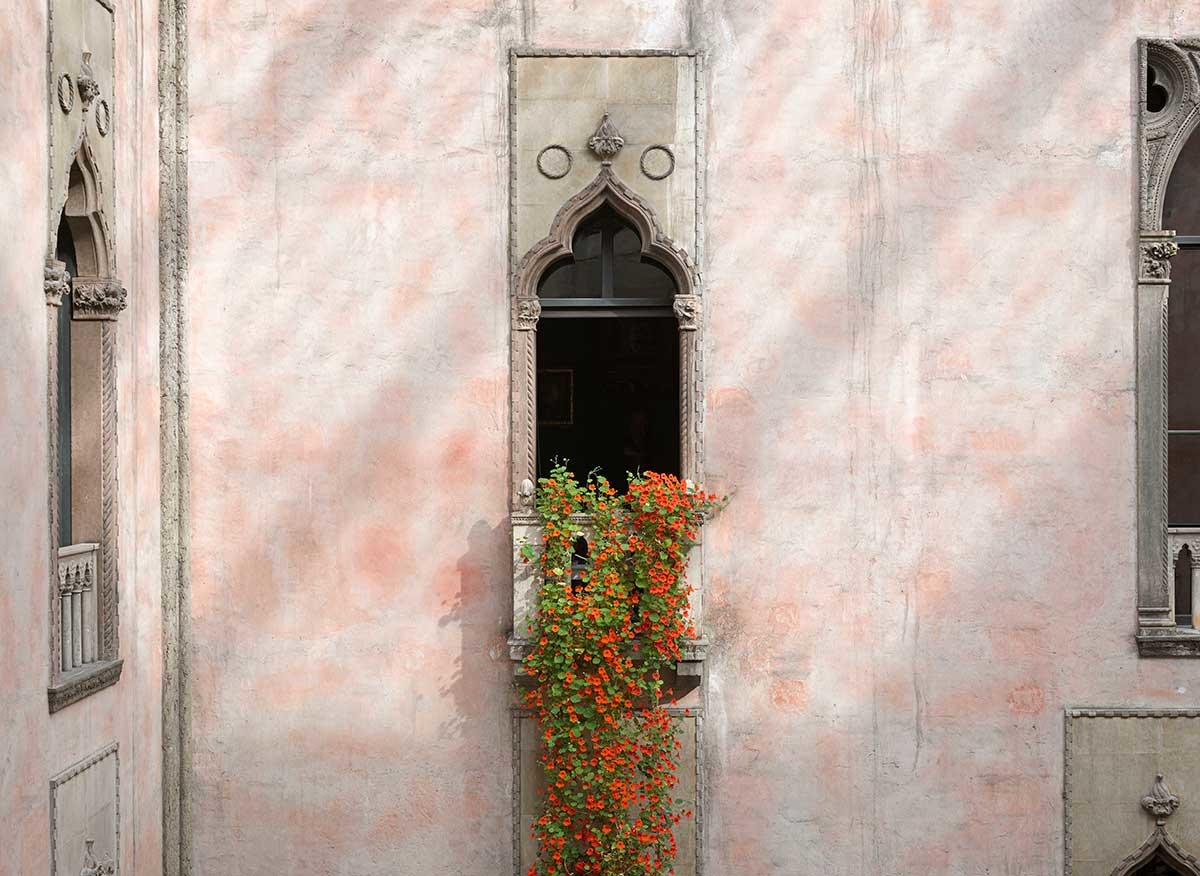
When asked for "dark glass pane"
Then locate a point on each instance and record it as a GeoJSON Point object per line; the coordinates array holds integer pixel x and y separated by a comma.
{"type": "Point", "coordinates": [1158, 865]}
{"type": "Point", "coordinates": [580, 277]}
{"type": "Point", "coordinates": [1183, 480]}
{"type": "Point", "coordinates": [633, 277]}
{"type": "Point", "coordinates": [1183, 342]}
{"type": "Point", "coordinates": [1181, 204]}
{"type": "Point", "coordinates": [608, 395]}
{"type": "Point", "coordinates": [65, 252]}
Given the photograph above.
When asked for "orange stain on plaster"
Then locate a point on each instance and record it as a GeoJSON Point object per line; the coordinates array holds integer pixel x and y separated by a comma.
{"type": "Point", "coordinates": [1026, 699]}
{"type": "Point", "coordinates": [790, 695]}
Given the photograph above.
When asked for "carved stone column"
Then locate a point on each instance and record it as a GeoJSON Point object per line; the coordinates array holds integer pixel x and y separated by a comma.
{"type": "Point", "coordinates": [1154, 282]}
{"type": "Point", "coordinates": [526, 312]}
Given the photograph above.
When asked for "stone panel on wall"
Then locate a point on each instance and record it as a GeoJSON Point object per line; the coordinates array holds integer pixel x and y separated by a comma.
{"type": "Point", "coordinates": [1112, 807]}
{"type": "Point", "coordinates": [85, 816]}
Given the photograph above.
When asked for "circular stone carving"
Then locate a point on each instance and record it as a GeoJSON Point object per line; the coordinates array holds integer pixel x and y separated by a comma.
{"type": "Point", "coordinates": [658, 162]}
{"type": "Point", "coordinates": [554, 162]}
{"type": "Point", "coordinates": [103, 117]}
{"type": "Point", "coordinates": [66, 92]}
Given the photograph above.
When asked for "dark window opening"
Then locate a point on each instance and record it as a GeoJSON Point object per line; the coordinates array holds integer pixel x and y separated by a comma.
{"type": "Point", "coordinates": [606, 268]}
{"type": "Point", "coordinates": [579, 563]}
{"type": "Point", "coordinates": [608, 357]}
{"type": "Point", "coordinates": [1181, 213]}
{"type": "Point", "coordinates": [1183, 587]}
{"type": "Point", "coordinates": [608, 396]}
{"type": "Point", "coordinates": [1157, 95]}
{"type": "Point", "coordinates": [64, 252]}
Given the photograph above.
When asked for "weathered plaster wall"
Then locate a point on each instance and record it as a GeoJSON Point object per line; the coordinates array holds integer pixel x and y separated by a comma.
{"type": "Point", "coordinates": [35, 745]}
{"type": "Point", "coordinates": [920, 371]}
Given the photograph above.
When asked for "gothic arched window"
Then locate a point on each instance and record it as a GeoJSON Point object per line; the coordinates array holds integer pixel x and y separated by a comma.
{"type": "Point", "coordinates": [608, 356]}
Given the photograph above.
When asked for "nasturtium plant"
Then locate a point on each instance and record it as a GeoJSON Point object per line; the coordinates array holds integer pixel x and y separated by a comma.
{"type": "Point", "coordinates": [601, 645]}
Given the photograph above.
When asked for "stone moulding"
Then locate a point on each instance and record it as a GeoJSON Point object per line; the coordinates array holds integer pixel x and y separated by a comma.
{"type": "Point", "coordinates": [1159, 842]}
{"type": "Point", "coordinates": [1161, 136]}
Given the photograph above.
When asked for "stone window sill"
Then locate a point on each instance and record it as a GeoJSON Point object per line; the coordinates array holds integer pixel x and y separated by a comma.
{"type": "Point", "coordinates": [1169, 642]}
{"type": "Point", "coordinates": [83, 682]}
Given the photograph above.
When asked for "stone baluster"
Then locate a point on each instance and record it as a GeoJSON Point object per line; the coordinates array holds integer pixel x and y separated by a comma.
{"type": "Point", "coordinates": [89, 612]}
{"type": "Point", "coordinates": [64, 604]}
{"type": "Point", "coordinates": [76, 617]}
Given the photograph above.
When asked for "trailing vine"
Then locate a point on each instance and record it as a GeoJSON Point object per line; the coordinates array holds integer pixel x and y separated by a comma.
{"type": "Point", "coordinates": [601, 643]}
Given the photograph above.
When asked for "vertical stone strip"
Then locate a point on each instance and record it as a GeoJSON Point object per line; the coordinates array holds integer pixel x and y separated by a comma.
{"type": "Point", "coordinates": [173, 255]}
{"type": "Point", "coordinates": [107, 595]}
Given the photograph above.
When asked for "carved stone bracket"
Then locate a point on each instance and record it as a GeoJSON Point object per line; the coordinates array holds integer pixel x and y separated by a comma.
{"type": "Point", "coordinates": [528, 311]}
{"type": "Point", "coordinates": [97, 297]}
{"type": "Point", "coordinates": [1156, 252]}
{"type": "Point", "coordinates": [1160, 802]}
{"type": "Point", "coordinates": [55, 282]}
{"type": "Point", "coordinates": [687, 311]}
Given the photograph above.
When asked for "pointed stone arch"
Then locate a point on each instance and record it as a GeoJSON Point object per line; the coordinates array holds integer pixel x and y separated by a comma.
{"type": "Point", "coordinates": [606, 189]}
{"type": "Point", "coordinates": [1159, 843]}
{"type": "Point", "coordinates": [83, 210]}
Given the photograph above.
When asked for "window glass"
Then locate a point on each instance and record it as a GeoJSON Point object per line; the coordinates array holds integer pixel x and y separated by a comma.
{"type": "Point", "coordinates": [606, 262]}
{"type": "Point", "coordinates": [1181, 204]}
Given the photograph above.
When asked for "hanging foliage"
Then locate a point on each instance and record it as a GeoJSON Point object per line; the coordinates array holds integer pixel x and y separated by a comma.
{"type": "Point", "coordinates": [601, 643]}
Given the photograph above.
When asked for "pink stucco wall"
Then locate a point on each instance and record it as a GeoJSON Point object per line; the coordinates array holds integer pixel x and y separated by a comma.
{"type": "Point", "coordinates": [920, 392]}
{"type": "Point", "coordinates": [35, 745]}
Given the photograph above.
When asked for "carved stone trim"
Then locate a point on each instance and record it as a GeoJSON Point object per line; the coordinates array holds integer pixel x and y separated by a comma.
{"type": "Point", "coordinates": [1159, 842]}
{"type": "Point", "coordinates": [97, 297]}
{"type": "Point", "coordinates": [687, 311]}
{"type": "Point", "coordinates": [55, 282]}
{"type": "Point", "coordinates": [111, 750]}
{"type": "Point", "coordinates": [528, 311]}
{"type": "Point", "coordinates": [89, 88]}
{"type": "Point", "coordinates": [554, 148]}
{"type": "Point", "coordinates": [103, 116]}
{"type": "Point", "coordinates": [1161, 135]}
{"type": "Point", "coordinates": [1156, 252]}
{"type": "Point", "coordinates": [66, 92]}
{"type": "Point", "coordinates": [666, 150]}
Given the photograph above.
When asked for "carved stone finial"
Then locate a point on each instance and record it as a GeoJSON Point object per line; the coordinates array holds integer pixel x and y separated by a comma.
{"type": "Point", "coordinates": [1160, 802]}
{"type": "Point", "coordinates": [607, 141]}
{"type": "Point", "coordinates": [93, 868]}
{"type": "Point", "coordinates": [687, 312]}
{"type": "Point", "coordinates": [97, 297]}
{"type": "Point", "coordinates": [529, 310]}
{"type": "Point", "coordinates": [1156, 259]}
{"type": "Point", "coordinates": [526, 492]}
{"type": "Point", "coordinates": [89, 88]}
{"type": "Point", "coordinates": [55, 282]}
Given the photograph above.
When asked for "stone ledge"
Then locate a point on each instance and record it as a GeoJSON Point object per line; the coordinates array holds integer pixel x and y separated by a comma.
{"type": "Point", "coordinates": [83, 682]}
{"type": "Point", "coordinates": [1168, 642]}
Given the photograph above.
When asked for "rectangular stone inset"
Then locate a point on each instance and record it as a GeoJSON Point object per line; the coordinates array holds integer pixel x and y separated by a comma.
{"type": "Point", "coordinates": [85, 814]}
{"type": "Point", "coordinates": [1111, 760]}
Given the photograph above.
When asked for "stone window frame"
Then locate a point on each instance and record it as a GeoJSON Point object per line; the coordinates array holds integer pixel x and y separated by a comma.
{"type": "Point", "coordinates": [1160, 138]}
{"type": "Point", "coordinates": [96, 297]}
{"type": "Point", "coordinates": [524, 271]}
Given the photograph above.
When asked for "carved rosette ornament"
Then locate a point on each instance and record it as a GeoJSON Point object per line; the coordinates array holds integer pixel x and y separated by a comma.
{"type": "Point", "coordinates": [687, 311]}
{"type": "Point", "coordinates": [529, 310]}
{"type": "Point", "coordinates": [607, 141]}
{"type": "Point", "coordinates": [1156, 258]}
{"type": "Point", "coordinates": [55, 282]}
{"type": "Point", "coordinates": [97, 298]}
{"type": "Point", "coordinates": [89, 88]}
{"type": "Point", "coordinates": [1160, 802]}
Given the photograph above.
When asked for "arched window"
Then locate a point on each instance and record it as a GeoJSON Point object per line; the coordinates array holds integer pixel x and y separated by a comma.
{"type": "Point", "coordinates": [65, 253]}
{"type": "Point", "coordinates": [1181, 213]}
{"type": "Point", "coordinates": [608, 356]}
{"type": "Point", "coordinates": [1158, 865]}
